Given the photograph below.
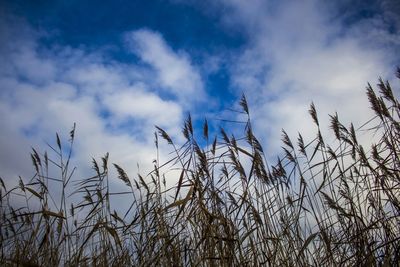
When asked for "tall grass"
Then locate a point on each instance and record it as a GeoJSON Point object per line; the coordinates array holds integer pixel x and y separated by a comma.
{"type": "Point", "coordinates": [320, 204]}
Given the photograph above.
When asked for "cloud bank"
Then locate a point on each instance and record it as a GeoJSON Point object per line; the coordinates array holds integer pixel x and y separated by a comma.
{"type": "Point", "coordinates": [292, 53]}
{"type": "Point", "coordinates": [304, 51]}
{"type": "Point", "coordinates": [115, 105]}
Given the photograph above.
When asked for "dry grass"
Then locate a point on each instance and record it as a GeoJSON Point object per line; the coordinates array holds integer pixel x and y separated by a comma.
{"type": "Point", "coordinates": [319, 205]}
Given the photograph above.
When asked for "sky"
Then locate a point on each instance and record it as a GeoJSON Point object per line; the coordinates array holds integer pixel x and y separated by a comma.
{"type": "Point", "coordinates": [118, 68]}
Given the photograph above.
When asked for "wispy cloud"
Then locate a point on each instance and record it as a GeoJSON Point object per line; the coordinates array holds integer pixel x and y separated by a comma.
{"type": "Point", "coordinates": [305, 51]}
{"type": "Point", "coordinates": [115, 105]}
{"type": "Point", "coordinates": [175, 72]}
{"type": "Point", "coordinates": [292, 53]}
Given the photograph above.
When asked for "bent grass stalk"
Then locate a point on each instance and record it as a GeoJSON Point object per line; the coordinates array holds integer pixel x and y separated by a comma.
{"type": "Point", "coordinates": [321, 204]}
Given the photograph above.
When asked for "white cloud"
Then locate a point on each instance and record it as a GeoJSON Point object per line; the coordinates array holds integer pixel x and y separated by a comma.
{"type": "Point", "coordinates": [147, 107]}
{"type": "Point", "coordinates": [46, 90]}
{"type": "Point", "coordinates": [95, 77]}
{"type": "Point", "coordinates": [175, 71]}
{"type": "Point", "coordinates": [298, 52]}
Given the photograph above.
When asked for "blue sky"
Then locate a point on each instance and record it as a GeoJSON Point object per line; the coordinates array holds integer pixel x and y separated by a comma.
{"type": "Point", "coordinates": [117, 68]}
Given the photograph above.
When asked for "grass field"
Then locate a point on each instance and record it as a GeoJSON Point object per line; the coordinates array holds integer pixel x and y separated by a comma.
{"type": "Point", "coordinates": [321, 204]}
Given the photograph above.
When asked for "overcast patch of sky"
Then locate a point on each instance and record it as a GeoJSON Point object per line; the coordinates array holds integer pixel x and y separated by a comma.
{"type": "Point", "coordinates": [119, 70]}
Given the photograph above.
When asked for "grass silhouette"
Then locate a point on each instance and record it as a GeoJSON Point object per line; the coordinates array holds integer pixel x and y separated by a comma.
{"type": "Point", "coordinates": [320, 205]}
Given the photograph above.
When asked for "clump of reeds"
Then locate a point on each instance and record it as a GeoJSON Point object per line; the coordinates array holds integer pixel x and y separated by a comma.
{"type": "Point", "coordinates": [321, 204]}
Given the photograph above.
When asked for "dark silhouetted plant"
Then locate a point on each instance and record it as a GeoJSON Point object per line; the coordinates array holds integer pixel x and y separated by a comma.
{"type": "Point", "coordinates": [321, 204]}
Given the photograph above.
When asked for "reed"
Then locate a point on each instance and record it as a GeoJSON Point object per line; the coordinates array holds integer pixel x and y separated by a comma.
{"type": "Point", "coordinates": [320, 204]}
